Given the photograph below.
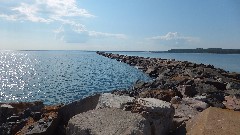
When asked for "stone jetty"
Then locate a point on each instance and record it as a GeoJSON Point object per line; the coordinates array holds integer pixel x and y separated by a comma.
{"type": "Point", "coordinates": [189, 87]}
{"type": "Point", "coordinates": [182, 98]}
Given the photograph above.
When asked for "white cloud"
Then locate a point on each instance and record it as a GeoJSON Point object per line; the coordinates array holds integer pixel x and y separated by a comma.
{"type": "Point", "coordinates": [69, 35]}
{"type": "Point", "coordinates": [102, 34]}
{"type": "Point", "coordinates": [42, 10]}
{"type": "Point", "coordinates": [63, 8]}
{"type": "Point", "coordinates": [8, 17]}
{"type": "Point", "coordinates": [29, 12]}
{"type": "Point", "coordinates": [61, 12]}
{"type": "Point", "coordinates": [174, 36]}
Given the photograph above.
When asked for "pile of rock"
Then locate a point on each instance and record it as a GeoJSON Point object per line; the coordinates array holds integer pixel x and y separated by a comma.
{"type": "Point", "coordinates": [182, 79]}
{"type": "Point", "coordinates": [27, 118]}
{"type": "Point", "coordinates": [189, 87]}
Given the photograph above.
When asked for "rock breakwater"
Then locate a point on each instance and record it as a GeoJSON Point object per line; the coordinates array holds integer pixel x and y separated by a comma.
{"type": "Point", "coordinates": [181, 78]}
{"type": "Point", "coordinates": [190, 87]}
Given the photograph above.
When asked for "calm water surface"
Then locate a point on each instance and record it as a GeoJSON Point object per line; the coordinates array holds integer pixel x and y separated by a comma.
{"type": "Point", "coordinates": [60, 76]}
{"type": "Point", "coordinates": [228, 62]}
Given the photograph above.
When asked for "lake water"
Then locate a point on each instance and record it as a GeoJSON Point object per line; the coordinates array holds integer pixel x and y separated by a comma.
{"type": "Point", "coordinates": [228, 62]}
{"type": "Point", "coordinates": [61, 76]}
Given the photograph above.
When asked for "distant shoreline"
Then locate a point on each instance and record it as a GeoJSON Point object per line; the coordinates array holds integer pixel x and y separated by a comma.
{"type": "Point", "coordinates": [201, 50]}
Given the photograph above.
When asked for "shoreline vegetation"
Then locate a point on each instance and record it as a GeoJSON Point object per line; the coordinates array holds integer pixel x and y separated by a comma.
{"type": "Point", "coordinates": [183, 98]}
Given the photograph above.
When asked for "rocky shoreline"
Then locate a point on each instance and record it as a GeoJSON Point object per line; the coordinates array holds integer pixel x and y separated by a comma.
{"type": "Point", "coordinates": [183, 98]}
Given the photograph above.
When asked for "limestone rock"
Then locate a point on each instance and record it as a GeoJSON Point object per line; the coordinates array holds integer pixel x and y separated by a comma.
{"type": "Point", "coordinates": [111, 100]}
{"type": "Point", "coordinates": [215, 121]}
{"type": "Point", "coordinates": [197, 104]}
{"type": "Point", "coordinates": [83, 105]}
{"type": "Point", "coordinates": [158, 112]}
{"type": "Point", "coordinates": [186, 109]}
{"type": "Point", "coordinates": [183, 112]}
{"type": "Point", "coordinates": [232, 102]}
{"type": "Point", "coordinates": [108, 121]}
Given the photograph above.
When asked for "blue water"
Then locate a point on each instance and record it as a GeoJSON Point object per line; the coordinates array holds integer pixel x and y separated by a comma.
{"type": "Point", "coordinates": [228, 62]}
{"type": "Point", "coordinates": [60, 76]}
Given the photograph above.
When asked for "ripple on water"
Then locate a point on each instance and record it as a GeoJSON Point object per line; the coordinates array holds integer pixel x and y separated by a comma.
{"type": "Point", "coordinates": [60, 76]}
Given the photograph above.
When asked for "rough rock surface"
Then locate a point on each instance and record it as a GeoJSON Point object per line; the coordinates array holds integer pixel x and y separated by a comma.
{"type": "Point", "coordinates": [215, 121]}
{"type": "Point", "coordinates": [14, 116]}
{"type": "Point", "coordinates": [158, 112]}
{"type": "Point", "coordinates": [83, 105]}
{"type": "Point", "coordinates": [112, 100]}
{"type": "Point", "coordinates": [232, 102]}
{"type": "Point", "coordinates": [186, 109]}
{"type": "Point", "coordinates": [108, 121]}
{"type": "Point", "coordinates": [196, 104]}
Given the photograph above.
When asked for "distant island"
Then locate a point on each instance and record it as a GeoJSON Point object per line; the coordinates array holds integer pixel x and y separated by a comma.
{"type": "Point", "coordinates": [201, 50]}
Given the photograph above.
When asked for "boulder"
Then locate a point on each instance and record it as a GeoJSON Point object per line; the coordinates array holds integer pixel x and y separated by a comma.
{"type": "Point", "coordinates": [45, 126]}
{"type": "Point", "coordinates": [232, 85]}
{"type": "Point", "coordinates": [187, 108]}
{"type": "Point", "coordinates": [216, 99]}
{"type": "Point", "coordinates": [113, 101]}
{"type": "Point", "coordinates": [183, 112]}
{"type": "Point", "coordinates": [187, 90]}
{"type": "Point", "coordinates": [6, 111]}
{"type": "Point", "coordinates": [165, 95]}
{"type": "Point", "coordinates": [158, 112]}
{"type": "Point", "coordinates": [108, 121]}
{"type": "Point", "coordinates": [196, 104]}
{"type": "Point", "coordinates": [217, 84]}
{"type": "Point", "coordinates": [232, 102]}
{"type": "Point", "coordinates": [176, 100]}
{"type": "Point", "coordinates": [214, 121]}
{"type": "Point", "coordinates": [152, 71]}
{"type": "Point", "coordinates": [83, 105]}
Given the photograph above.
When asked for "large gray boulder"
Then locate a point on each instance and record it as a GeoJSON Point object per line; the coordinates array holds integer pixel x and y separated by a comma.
{"type": "Point", "coordinates": [232, 102]}
{"type": "Point", "coordinates": [158, 112]}
{"type": "Point", "coordinates": [188, 108]}
{"type": "Point", "coordinates": [108, 121]}
{"type": "Point", "coordinates": [83, 105]}
{"type": "Point", "coordinates": [113, 101]}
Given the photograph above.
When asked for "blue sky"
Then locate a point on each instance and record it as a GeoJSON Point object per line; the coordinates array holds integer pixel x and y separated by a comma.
{"type": "Point", "coordinates": [119, 25]}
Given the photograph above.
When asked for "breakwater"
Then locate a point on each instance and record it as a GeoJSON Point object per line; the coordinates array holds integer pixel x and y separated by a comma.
{"type": "Point", "coordinates": [182, 76]}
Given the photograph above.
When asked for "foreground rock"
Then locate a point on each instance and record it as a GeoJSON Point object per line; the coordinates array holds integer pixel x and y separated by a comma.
{"type": "Point", "coordinates": [159, 113]}
{"type": "Point", "coordinates": [108, 121]}
{"type": "Point", "coordinates": [215, 121]}
{"type": "Point", "coordinates": [15, 116]}
{"type": "Point", "coordinates": [185, 109]}
{"type": "Point", "coordinates": [113, 101]}
{"type": "Point", "coordinates": [232, 102]}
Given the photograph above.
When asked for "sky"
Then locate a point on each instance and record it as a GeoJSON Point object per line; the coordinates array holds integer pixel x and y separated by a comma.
{"type": "Point", "coordinates": [119, 25]}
